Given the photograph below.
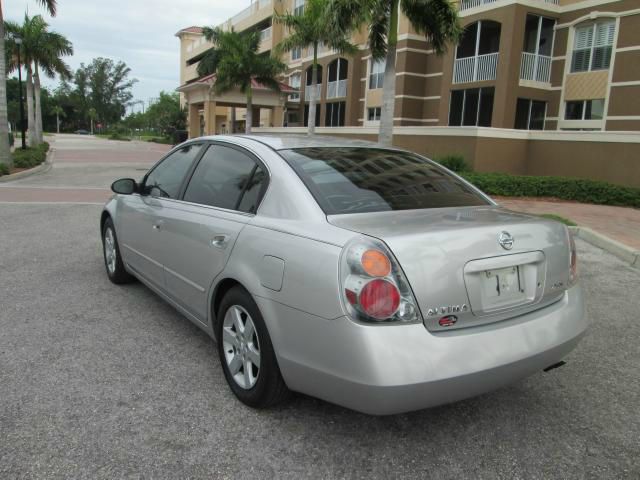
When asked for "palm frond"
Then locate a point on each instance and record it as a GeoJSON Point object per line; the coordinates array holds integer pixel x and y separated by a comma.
{"type": "Point", "coordinates": [438, 20]}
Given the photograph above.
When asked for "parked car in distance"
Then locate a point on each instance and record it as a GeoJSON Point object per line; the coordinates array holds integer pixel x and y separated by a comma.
{"type": "Point", "coordinates": [82, 132]}
{"type": "Point", "coordinates": [372, 278]}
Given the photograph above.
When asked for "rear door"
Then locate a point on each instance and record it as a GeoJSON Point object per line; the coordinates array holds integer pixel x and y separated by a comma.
{"type": "Point", "coordinates": [200, 231]}
{"type": "Point", "coordinates": [140, 217]}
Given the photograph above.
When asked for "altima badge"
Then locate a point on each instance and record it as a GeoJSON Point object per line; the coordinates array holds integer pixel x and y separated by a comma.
{"type": "Point", "coordinates": [505, 240]}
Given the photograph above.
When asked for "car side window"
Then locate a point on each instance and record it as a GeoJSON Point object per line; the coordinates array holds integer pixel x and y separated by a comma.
{"type": "Point", "coordinates": [226, 178]}
{"type": "Point", "coordinates": [166, 179]}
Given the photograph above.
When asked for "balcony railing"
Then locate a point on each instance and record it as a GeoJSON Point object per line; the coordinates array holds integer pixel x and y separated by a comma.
{"type": "Point", "coordinates": [265, 34]}
{"type": "Point", "coordinates": [467, 4]}
{"type": "Point", "coordinates": [535, 68]}
{"type": "Point", "coordinates": [337, 89]}
{"type": "Point", "coordinates": [309, 89]}
{"type": "Point", "coordinates": [476, 69]}
{"type": "Point", "coordinates": [250, 10]}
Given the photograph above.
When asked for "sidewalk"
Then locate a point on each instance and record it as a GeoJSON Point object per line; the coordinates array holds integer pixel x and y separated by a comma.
{"type": "Point", "coordinates": [619, 223]}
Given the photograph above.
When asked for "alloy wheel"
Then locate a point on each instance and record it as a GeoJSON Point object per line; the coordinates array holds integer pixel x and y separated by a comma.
{"type": "Point", "coordinates": [241, 346]}
{"type": "Point", "coordinates": [110, 252]}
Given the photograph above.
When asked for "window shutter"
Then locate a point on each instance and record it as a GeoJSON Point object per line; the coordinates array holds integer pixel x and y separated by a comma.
{"type": "Point", "coordinates": [583, 38]}
{"type": "Point", "coordinates": [604, 34]}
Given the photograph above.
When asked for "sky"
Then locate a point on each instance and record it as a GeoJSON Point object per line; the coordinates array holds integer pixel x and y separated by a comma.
{"type": "Point", "coordinates": [138, 32]}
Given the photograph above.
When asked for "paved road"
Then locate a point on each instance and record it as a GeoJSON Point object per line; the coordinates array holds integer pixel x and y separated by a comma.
{"type": "Point", "coordinates": [100, 381]}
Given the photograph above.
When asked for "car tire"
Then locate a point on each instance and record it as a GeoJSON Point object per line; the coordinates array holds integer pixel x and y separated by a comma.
{"type": "Point", "coordinates": [111, 254]}
{"type": "Point", "coordinates": [260, 386]}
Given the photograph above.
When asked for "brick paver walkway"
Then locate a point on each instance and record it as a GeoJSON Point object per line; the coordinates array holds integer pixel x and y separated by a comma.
{"type": "Point", "coordinates": [620, 223]}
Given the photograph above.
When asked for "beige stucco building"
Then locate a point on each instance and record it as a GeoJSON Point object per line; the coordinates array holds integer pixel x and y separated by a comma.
{"type": "Point", "coordinates": [567, 66]}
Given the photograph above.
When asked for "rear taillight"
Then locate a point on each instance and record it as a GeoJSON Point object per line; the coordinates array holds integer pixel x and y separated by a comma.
{"type": "Point", "coordinates": [374, 288]}
{"type": "Point", "coordinates": [573, 259]}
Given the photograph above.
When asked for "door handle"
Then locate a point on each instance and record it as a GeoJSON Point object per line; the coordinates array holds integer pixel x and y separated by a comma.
{"type": "Point", "coordinates": [158, 225]}
{"type": "Point", "coordinates": [220, 241]}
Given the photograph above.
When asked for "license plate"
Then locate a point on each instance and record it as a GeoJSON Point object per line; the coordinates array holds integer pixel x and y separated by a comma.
{"type": "Point", "coordinates": [503, 283]}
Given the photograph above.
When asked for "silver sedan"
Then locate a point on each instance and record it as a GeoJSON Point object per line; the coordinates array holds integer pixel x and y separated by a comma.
{"type": "Point", "coordinates": [372, 278]}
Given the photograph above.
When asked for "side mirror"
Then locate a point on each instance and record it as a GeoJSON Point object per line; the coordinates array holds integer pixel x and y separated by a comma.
{"type": "Point", "coordinates": [124, 186]}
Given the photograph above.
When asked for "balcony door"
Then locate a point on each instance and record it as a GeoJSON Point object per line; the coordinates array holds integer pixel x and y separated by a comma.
{"type": "Point", "coordinates": [477, 53]}
{"type": "Point", "coordinates": [536, 51]}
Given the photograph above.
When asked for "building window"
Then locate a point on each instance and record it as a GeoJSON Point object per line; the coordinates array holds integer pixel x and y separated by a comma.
{"type": "Point", "coordinates": [294, 82]}
{"type": "Point", "coordinates": [585, 110]}
{"type": "Point", "coordinates": [298, 7]}
{"type": "Point", "coordinates": [306, 115]}
{"type": "Point", "coordinates": [337, 78]}
{"type": "Point", "coordinates": [530, 114]}
{"type": "Point", "coordinates": [592, 46]}
{"type": "Point", "coordinates": [334, 116]}
{"type": "Point", "coordinates": [376, 77]}
{"type": "Point", "coordinates": [374, 114]}
{"type": "Point", "coordinates": [538, 35]}
{"type": "Point", "coordinates": [471, 107]}
{"type": "Point", "coordinates": [296, 53]}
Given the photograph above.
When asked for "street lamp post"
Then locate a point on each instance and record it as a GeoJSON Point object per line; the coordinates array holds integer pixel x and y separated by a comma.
{"type": "Point", "coordinates": [18, 41]}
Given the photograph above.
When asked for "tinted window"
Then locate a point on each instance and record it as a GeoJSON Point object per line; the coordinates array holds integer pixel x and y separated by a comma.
{"type": "Point", "coordinates": [221, 178]}
{"type": "Point", "coordinates": [356, 180]}
{"type": "Point", "coordinates": [165, 180]}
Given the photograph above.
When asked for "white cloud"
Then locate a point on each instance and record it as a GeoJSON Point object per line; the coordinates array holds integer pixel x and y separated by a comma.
{"type": "Point", "coordinates": [140, 33]}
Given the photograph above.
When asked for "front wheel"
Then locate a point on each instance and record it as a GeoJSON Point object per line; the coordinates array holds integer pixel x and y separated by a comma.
{"type": "Point", "coordinates": [112, 258]}
{"type": "Point", "coordinates": [246, 353]}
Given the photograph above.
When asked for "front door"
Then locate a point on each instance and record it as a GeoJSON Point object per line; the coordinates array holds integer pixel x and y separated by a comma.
{"type": "Point", "coordinates": [141, 215]}
{"type": "Point", "coordinates": [200, 232]}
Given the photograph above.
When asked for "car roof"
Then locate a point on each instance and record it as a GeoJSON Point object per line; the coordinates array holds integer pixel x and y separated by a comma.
{"type": "Point", "coordinates": [288, 141]}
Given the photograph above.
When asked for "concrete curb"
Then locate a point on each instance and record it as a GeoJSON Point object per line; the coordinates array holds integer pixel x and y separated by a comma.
{"type": "Point", "coordinates": [627, 254]}
{"type": "Point", "coordinates": [42, 168]}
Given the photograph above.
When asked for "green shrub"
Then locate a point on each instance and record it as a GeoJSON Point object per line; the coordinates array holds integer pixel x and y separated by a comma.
{"type": "Point", "coordinates": [4, 169]}
{"type": "Point", "coordinates": [575, 189]}
{"type": "Point", "coordinates": [454, 162]}
{"type": "Point", "coordinates": [29, 157]}
{"type": "Point", "coordinates": [163, 140]}
{"type": "Point", "coordinates": [117, 136]}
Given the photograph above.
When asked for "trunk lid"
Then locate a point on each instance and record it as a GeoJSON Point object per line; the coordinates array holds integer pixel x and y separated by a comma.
{"type": "Point", "coordinates": [456, 265]}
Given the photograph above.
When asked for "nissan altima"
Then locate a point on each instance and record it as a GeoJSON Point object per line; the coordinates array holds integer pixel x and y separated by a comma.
{"type": "Point", "coordinates": [370, 277]}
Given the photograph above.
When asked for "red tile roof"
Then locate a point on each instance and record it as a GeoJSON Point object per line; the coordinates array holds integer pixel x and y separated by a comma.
{"type": "Point", "coordinates": [192, 29]}
{"type": "Point", "coordinates": [210, 79]}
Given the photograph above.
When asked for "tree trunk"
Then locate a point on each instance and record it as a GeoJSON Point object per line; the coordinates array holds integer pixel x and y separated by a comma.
{"type": "Point", "coordinates": [5, 152]}
{"type": "Point", "coordinates": [31, 118]}
{"type": "Point", "coordinates": [249, 115]}
{"type": "Point", "coordinates": [232, 130]}
{"type": "Point", "coordinates": [311, 119]}
{"type": "Point", "coordinates": [57, 122]}
{"type": "Point", "coordinates": [38, 123]}
{"type": "Point", "coordinates": [385, 135]}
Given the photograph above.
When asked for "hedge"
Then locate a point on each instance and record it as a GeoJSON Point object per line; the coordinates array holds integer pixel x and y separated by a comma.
{"type": "Point", "coordinates": [579, 190]}
{"type": "Point", "coordinates": [4, 169]}
{"type": "Point", "coordinates": [30, 157]}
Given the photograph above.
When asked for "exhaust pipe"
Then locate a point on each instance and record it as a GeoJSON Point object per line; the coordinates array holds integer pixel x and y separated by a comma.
{"type": "Point", "coordinates": [555, 365]}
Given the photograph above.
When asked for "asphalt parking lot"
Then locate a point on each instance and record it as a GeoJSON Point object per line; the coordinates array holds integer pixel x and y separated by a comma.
{"type": "Point", "coordinates": [101, 381]}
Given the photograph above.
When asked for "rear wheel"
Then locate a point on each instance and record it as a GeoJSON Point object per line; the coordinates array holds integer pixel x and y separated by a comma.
{"type": "Point", "coordinates": [246, 353]}
{"type": "Point", "coordinates": [111, 252]}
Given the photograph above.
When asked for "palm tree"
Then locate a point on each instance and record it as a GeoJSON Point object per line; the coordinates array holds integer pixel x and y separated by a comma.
{"type": "Point", "coordinates": [236, 63]}
{"type": "Point", "coordinates": [53, 46]}
{"type": "Point", "coordinates": [40, 48]}
{"type": "Point", "coordinates": [436, 19]}
{"type": "Point", "coordinates": [92, 116]}
{"type": "Point", "coordinates": [5, 154]}
{"type": "Point", "coordinates": [59, 111]}
{"type": "Point", "coordinates": [309, 30]}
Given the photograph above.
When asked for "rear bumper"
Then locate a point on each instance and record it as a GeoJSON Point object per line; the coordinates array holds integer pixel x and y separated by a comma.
{"type": "Point", "coordinates": [384, 370]}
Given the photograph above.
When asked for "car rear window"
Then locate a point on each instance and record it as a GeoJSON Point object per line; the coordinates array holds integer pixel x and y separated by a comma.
{"type": "Point", "coordinates": [358, 180]}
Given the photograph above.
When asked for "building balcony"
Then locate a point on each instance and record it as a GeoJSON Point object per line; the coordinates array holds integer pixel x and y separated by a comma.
{"type": "Point", "coordinates": [468, 4]}
{"type": "Point", "coordinates": [266, 40]}
{"type": "Point", "coordinates": [256, 12]}
{"type": "Point", "coordinates": [535, 68]}
{"type": "Point", "coordinates": [309, 89]}
{"type": "Point", "coordinates": [476, 69]}
{"type": "Point", "coordinates": [337, 89]}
